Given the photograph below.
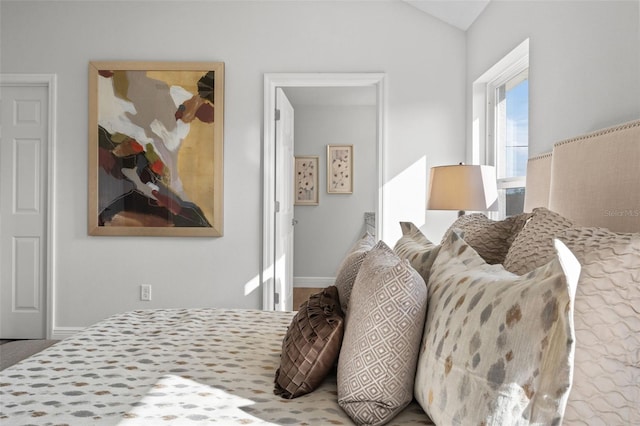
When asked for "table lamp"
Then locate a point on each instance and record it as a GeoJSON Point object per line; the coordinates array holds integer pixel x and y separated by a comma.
{"type": "Point", "coordinates": [462, 187]}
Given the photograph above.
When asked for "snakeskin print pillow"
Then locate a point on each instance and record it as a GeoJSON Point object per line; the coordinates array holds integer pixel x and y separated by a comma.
{"type": "Point", "coordinates": [606, 377]}
{"type": "Point", "coordinates": [417, 249]}
{"type": "Point", "coordinates": [491, 239]}
{"type": "Point", "coordinates": [349, 268]}
{"type": "Point", "coordinates": [497, 348]}
{"type": "Point", "coordinates": [377, 363]}
{"type": "Point", "coordinates": [533, 246]}
{"type": "Point", "coordinates": [311, 346]}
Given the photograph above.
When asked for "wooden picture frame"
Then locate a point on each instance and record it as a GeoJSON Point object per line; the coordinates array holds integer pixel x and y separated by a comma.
{"type": "Point", "coordinates": [306, 181]}
{"type": "Point", "coordinates": [340, 169]}
{"type": "Point", "coordinates": [156, 148]}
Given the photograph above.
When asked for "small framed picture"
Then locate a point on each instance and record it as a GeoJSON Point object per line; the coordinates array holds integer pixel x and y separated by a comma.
{"type": "Point", "coordinates": [340, 169]}
{"type": "Point", "coordinates": [306, 181]}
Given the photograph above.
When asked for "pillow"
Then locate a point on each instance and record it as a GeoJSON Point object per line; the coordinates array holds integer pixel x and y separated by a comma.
{"type": "Point", "coordinates": [417, 249]}
{"type": "Point", "coordinates": [490, 239]}
{"type": "Point", "coordinates": [533, 246]}
{"type": "Point", "coordinates": [497, 348]}
{"type": "Point", "coordinates": [606, 376]}
{"type": "Point", "coordinates": [349, 268]}
{"type": "Point", "coordinates": [377, 363]}
{"type": "Point", "coordinates": [311, 346]}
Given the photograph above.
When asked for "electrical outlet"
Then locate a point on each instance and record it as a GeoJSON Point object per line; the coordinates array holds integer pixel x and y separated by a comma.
{"type": "Point", "coordinates": [145, 292]}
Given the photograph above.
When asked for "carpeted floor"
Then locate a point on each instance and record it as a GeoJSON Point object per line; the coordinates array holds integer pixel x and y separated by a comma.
{"type": "Point", "coordinates": [15, 351]}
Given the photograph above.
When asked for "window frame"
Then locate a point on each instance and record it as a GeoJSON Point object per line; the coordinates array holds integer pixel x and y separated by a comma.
{"type": "Point", "coordinates": [515, 72]}
{"type": "Point", "coordinates": [484, 148]}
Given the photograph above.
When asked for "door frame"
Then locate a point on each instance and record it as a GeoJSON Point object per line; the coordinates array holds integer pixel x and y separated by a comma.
{"type": "Point", "coordinates": [271, 82]}
{"type": "Point", "coordinates": [50, 82]}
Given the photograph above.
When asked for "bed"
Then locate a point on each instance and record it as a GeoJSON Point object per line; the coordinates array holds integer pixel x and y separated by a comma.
{"type": "Point", "coordinates": [168, 366]}
{"type": "Point", "coordinates": [197, 366]}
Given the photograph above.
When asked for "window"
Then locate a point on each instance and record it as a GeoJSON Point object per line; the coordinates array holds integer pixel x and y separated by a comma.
{"type": "Point", "coordinates": [509, 134]}
{"type": "Point", "coordinates": [501, 102]}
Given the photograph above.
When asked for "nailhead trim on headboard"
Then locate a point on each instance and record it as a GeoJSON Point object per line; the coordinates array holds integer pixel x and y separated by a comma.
{"type": "Point", "coordinates": [594, 178]}
{"type": "Point", "coordinates": [630, 124]}
{"type": "Point", "coordinates": [540, 156]}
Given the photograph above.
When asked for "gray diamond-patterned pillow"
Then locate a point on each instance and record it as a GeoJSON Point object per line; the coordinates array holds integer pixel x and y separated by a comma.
{"type": "Point", "coordinates": [377, 363]}
{"type": "Point", "coordinates": [349, 268]}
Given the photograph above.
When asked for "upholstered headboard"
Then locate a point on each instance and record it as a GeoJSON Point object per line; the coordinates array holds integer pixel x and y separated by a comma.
{"type": "Point", "coordinates": [593, 179]}
{"type": "Point", "coordinates": [538, 182]}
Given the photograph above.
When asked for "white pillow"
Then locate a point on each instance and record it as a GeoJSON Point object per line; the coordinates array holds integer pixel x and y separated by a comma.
{"type": "Point", "coordinates": [497, 348]}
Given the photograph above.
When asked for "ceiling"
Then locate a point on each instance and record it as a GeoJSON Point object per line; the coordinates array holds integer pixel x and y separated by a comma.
{"type": "Point", "coordinates": [459, 13]}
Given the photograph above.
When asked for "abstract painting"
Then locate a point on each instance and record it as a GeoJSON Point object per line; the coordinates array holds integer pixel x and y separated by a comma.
{"type": "Point", "coordinates": [306, 181]}
{"type": "Point", "coordinates": [340, 169]}
{"type": "Point", "coordinates": [156, 148]}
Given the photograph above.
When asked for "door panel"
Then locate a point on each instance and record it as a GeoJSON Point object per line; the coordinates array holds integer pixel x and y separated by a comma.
{"type": "Point", "coordinates": [26, 254]}
{"type": "Point", "coordinates": [284, 199]}
{"type": "Point", "coordinates": [23, 160]}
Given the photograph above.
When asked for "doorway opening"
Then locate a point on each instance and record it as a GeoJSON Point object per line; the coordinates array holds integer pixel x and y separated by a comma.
{"type": "Point", "coordinates": [274, 286]}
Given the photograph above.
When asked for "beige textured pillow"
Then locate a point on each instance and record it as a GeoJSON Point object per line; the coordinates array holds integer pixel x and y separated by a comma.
{"type": "Point", "coordinates": [491, 239]}
{"type": "Point", "coordinates": [311, 345]}
{"type": "Point", "coordinates": [497, 348]}
{"type": "Point", "coordinates": [533, 246]}
{"type": "Point", "coordinates": [417, 249]}
{"type": "Point", "coordinates": [377, 363]}
{"type": "Point", "coordinates": [606, 377]}
{"type": "Point", "coordinates": [349, 268]}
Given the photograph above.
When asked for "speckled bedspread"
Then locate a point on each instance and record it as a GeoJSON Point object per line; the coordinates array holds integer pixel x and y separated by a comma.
{"type": "Point", "coordinates": [168, 366]}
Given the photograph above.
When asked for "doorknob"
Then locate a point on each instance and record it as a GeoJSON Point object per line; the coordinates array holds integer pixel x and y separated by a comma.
{"type": "Point", "coordinates": [294, 222]}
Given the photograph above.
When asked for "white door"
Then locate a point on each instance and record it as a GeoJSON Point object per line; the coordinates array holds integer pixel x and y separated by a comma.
{"type": "Point", "coordinates": [23, 209]}
{"type": "Point", "coordinates": [284, 221]}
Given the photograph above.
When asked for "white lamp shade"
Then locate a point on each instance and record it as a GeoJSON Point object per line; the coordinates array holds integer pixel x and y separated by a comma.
{"type": "Point", "coordinates": [463, 187]}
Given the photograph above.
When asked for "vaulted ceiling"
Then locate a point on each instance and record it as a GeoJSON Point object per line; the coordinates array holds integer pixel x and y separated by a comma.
{"type": "Point", "coordinates": [459, 13]}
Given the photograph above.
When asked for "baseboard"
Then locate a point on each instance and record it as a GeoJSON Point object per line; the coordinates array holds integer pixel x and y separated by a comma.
{"type": "Point", "coordinates": [313, 282]}
{"type": "Point", "coordinates": [60, 333]}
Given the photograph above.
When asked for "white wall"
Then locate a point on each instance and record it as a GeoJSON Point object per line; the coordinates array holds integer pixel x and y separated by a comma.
{"type": "Point", "coordinates": [424, 61]}
{"type": "Point", "coordinates": [584, 59]}
{"type": "Point", "coordinates": [326, 232]}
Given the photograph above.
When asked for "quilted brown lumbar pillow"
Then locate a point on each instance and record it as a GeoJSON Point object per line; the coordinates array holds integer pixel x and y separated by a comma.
{"type": "Point", "coordinates": [311, 345]}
